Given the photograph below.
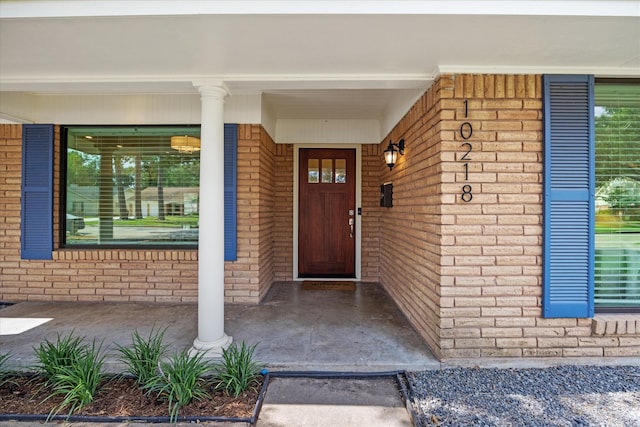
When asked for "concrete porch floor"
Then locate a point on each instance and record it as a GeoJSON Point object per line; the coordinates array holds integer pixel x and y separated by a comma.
{"type": "Point", "coordinates": [295, 329]}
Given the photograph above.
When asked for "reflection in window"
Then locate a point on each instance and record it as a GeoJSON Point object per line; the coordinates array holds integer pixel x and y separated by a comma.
{"type": "Point", "coordinates": [313, 174]}
{"type": "Point", "coordinates": [131, 186]}
{"type": "Point", "coordinates": [327, 171]}
{"type": "Point", "coordinates": [617, 225]}
{"type": "Point", "coordinates": [341, 171]}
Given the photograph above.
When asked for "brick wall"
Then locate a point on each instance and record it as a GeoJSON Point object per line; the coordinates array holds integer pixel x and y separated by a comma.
{"type": "Point", "coordinates": [283, 213]}
{"type": "Point", "coordinates": [410, 231]}
{"type": "Point", "coordinates": [468, 275]}
{"type": "Point", "coordinates": [370, 230]}
{"type": "Point", "coordinates": [491, 258]}
{"type": "Point", "coordinates": [138, 275]}
{"type": "Point", "coordinates": [267, 217]}
{"type": "Point", "coordinates": [250, 277]}
{"type": "Point", "coordinates": [10, 169]}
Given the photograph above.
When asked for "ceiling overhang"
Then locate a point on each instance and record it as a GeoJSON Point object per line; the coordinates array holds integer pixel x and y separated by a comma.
{"type": "Point", "coordinates": [307, 59]}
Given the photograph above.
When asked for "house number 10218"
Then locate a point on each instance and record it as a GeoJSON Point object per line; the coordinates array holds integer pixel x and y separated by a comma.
{"type": "Point", "coordinates": [466, 130]}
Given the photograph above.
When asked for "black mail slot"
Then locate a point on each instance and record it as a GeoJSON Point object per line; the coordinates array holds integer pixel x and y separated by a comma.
{"type": "Point", "coordinates": [386, 195]}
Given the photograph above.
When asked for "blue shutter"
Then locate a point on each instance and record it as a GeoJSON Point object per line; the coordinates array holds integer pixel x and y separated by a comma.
{"type": "Point", "coordinates": [36, 225]}
{"type": "Point", "coordinates": [568, 196]}
{"type": "Point", "coordinates": [230, 184]}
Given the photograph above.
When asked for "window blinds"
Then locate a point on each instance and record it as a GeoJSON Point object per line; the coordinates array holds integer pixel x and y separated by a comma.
{"type": "Point", "coordinates": [617, 230]}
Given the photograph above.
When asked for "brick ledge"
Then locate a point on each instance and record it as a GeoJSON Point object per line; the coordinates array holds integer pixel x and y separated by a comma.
{"type": "Point", "coordinates": [616, 324]}
{"type": "Point", "coordinates": [123, 255]}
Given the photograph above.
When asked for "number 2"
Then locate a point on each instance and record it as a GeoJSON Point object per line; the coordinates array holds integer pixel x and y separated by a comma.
{"type": "Point", "coordinates": [469, 148]}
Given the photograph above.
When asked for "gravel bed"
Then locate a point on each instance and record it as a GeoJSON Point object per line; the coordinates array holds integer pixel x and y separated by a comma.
{"type": "Point", "coordinates": [557, 396]}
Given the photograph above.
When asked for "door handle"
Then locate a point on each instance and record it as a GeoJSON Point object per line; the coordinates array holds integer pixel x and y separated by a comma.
{"type": "Point", "coordinates": [351, 224]}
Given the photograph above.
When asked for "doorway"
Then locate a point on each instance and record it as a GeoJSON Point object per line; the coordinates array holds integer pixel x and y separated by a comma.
{"type": "Point", "coordinates": [327, 213]}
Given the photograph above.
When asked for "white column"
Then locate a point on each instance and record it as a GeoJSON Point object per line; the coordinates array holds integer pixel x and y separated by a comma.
{"type": "Point", "coordinates": [211, 336]}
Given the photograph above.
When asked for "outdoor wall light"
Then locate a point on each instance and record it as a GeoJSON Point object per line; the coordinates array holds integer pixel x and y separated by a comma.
{"type": "Point", "coordinates": [185, 144]}
{"type": "Point", "coordinates": [391, 154]}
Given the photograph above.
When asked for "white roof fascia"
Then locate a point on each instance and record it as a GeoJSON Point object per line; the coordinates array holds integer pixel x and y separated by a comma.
{"type": "Point", "coordinates": [78, 8]}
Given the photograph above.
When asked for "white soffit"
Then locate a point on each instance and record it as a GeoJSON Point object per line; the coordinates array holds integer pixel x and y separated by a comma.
{"type": "Point", "coordinates": [335, 104]}
{"type": "Point", "coordinates": [163, 46]}
{"type": "Point", "coordinates": [310, 60]}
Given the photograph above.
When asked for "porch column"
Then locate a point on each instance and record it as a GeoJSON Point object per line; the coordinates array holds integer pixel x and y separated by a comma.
{"type": "Point", "coordinates": [211, 336]}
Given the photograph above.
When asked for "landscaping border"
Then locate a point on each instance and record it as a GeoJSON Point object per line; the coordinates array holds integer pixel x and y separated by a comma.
{"type": "Point", "coordinates": [151, 420]}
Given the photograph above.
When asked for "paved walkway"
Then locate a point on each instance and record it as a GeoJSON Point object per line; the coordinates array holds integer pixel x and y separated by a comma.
{"type": "Point", "coordinates": [336, 402]}
{"type": "Point", "coordinates": [294, 329]}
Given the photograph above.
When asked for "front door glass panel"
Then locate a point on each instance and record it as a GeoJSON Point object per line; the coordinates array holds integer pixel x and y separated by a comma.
{"type": "Point", "coordinates": [341, 171]}
{"type": "Point", "coordinates": [313, 171]}
{"type": "Point", "coordinates": [327, 171]}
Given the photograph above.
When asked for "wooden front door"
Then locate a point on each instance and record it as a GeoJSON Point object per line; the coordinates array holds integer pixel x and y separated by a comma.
{"type": "Point", "coordinates": [326, 223]}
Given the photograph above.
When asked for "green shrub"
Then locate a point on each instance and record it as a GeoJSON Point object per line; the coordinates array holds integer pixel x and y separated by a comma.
{"type": "Point", "coordinates": [78, 382]}
{"type": "Point", "coordinates": [238, 371]}
{"type": "Point", "coordinates": [144, 355]}
{"type": "Point", "coordinates": [72, 368]}
{"type": "Point", "coordinates": [181, 380]}
{"type": "Point", "coordinates": [5, 373]}
{"type": "Point", "coordinates": [64, 352]}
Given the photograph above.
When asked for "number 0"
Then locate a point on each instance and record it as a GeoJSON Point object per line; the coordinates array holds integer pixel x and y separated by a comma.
{"type": "Point", "coordinates": [466, 130]}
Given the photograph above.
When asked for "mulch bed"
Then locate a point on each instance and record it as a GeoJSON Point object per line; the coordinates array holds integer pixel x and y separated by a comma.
{"type": "Point", "coordinates": [120, 397]}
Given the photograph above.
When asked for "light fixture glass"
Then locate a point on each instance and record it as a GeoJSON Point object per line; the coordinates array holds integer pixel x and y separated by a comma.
{"type": "Point", "coordinates": [390, 156]}
{"type": "Point", "coordinates": [391, 153]}
{"type": "Point", "coordinates": [185, 144]}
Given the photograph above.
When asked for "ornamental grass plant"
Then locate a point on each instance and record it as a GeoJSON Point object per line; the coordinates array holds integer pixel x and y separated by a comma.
{"type": "Point", "coordinates": [181, 379]}
{"type": "Point", "coordinates": [143, 357]}
{"type": "Point", "coordinates": [71, 380]}
{"type": "Point", "coordinates": [5, 373]}
{"type": "Point", "coordinates": [78, 383]}
{"type": "Point", "coordinates": [73, 369]}
{"type": "Point", "coordinates": [61, 353]}
{"type": "Point", "coordinates": [238, 370]}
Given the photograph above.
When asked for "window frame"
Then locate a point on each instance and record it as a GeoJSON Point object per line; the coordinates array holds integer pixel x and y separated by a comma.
{"type": "Point", "coordinates": [64, 146]}
{"type": "Point", "coordinates": [612, 309]}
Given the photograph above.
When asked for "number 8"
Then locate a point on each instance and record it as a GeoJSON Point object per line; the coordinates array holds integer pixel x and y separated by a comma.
{"type": "Point", "coordinates": [466, 193]}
